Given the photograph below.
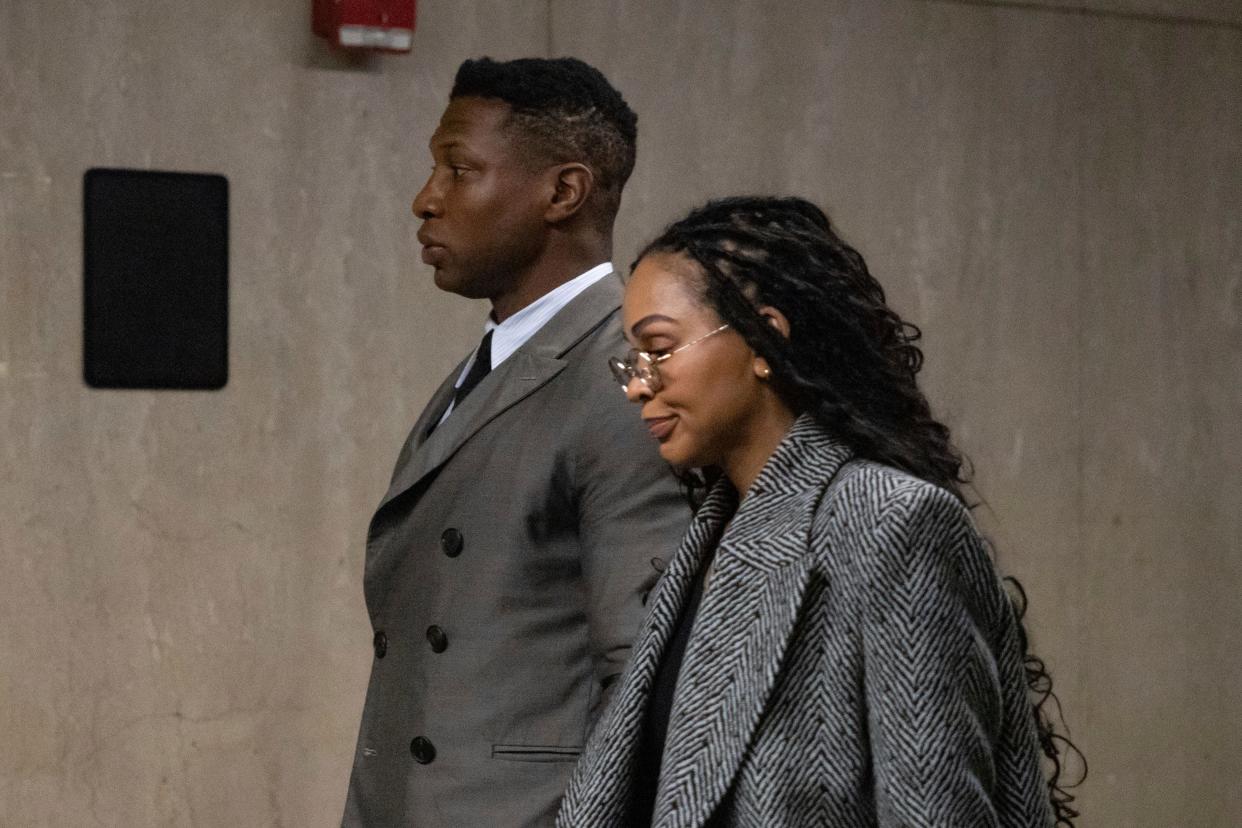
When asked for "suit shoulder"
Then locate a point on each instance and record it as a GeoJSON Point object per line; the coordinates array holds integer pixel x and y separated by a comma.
{"type": "Point", "coordinates": [589, 406]}
{"type": "Point", "coordinates": [587, 376]}
{"type": "Point", "coordinates": [600, 342]}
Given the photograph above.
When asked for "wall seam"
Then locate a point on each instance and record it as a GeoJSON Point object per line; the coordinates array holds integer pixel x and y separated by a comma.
{"type": "Point", "coordinates": [1083, 11]}
{"type": "Point", "coordinates": [1080, 367]}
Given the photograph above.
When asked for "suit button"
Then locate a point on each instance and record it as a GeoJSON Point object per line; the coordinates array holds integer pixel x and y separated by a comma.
{"type": "Point", "coordinates": [380, 643]}
{"type": "Point", "coordinates": [423, 750]}
{"type": "Point", "coordinates": [437, 638]}
{"type": "Point", "coordinates": [451, 542]}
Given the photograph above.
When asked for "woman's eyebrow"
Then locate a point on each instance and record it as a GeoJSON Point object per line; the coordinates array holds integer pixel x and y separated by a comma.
{"type": "Point", "coordinates": [637, 328]}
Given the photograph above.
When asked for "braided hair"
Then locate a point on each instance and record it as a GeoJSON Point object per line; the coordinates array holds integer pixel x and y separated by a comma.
{"type": "Point", "coordinates": [849, 361]}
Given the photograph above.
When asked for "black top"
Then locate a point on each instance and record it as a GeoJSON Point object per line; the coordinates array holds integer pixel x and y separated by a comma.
{"type": "Point", "coordinates": [660, 705]}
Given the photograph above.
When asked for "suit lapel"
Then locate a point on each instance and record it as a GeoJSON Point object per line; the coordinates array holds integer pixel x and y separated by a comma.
{"type": "Point", "coordinates": [749, 611]}
{"type": "Point", "coordinates": [523, 373]}
{"type": "Point", "coordinates": [431, 414]}
{"type": "Point", "coordinates": [512, 381]}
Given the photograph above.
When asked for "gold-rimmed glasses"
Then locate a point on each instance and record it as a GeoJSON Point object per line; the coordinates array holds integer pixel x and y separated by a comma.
{"type": "Point", "coordinates": [641, 365]}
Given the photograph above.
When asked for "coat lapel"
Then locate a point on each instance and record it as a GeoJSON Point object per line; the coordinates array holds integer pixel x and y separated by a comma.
{"type": "Point", "coordinates": [602, 785]}
{"type": "Point", "coordinates": [749, 611]}
{"type": "Point", "coordinates": [750, 608]}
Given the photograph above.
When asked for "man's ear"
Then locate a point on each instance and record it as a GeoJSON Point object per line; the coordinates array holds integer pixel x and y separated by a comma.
{"type": "Point", "coordinates": [572, 187]}
{"type": "Point", "coordinates": [776, 319]}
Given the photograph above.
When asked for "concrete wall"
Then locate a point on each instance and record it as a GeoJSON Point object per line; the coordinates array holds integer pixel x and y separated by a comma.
{"type": "Point", "coordinates": [1051, 190]}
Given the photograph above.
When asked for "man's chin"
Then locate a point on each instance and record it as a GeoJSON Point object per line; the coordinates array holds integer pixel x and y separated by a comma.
{"type": "Point", "coordinates": [443, 280]}
{"type": "Point", "coordinates": [450, 282]}
{"type": "Point", "coordinates": [447, 281]}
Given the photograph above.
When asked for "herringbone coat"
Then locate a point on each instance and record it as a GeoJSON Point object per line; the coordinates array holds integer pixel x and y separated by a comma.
{"type": "Point", "coordinates": [855, 661]}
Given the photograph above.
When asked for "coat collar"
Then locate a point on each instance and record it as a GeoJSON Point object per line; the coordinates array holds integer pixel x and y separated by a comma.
{"type": "Point", "coordinates": [759, 576]}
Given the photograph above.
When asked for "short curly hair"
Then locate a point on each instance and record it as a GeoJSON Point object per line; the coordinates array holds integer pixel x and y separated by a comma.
{"type": "Point", "coordinates": [562, 110]}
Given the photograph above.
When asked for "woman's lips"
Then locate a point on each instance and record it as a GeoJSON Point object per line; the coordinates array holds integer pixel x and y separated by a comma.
{"type": "Point", "coordinates": [660, 427]}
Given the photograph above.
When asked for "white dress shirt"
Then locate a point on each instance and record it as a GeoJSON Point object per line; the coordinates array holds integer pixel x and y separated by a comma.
{"type": "Point", "coordinates": [511, 334]}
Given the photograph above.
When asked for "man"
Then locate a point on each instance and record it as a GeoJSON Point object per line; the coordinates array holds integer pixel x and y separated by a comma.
{"type": "Point", "coordinates": [507, 564]}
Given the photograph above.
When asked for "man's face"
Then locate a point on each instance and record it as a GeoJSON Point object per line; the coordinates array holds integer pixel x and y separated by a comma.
{"type": "Point", "coordinates": [483, 205]}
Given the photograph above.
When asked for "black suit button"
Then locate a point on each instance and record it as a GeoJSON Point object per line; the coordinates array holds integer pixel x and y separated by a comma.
{"type": "Point", "coordinates": [380, 643]}
{"type": "Point", "coordinates": [423, 750]}
{"type": "Point", "coordinates": [437, 639]}
{"type": "Point", "coordinates": [451, 542]}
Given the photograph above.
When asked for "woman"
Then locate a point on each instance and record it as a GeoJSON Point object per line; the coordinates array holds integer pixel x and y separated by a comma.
{"type": "Point", "coordinates": [831, 644]}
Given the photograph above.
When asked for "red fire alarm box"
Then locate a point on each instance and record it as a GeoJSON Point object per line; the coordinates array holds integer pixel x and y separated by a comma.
{"type": "Point", "coordinates": [381, 25]}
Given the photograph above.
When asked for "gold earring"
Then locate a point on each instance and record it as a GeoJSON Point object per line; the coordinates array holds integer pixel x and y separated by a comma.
{"type": "Point", "coordinates": [765, 372]}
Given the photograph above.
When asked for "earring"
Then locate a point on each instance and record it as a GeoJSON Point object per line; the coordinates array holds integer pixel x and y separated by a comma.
{"type": "Point", "coordinates": [764, 372]}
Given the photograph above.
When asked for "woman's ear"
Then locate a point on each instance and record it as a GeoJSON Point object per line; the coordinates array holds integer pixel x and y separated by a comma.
{"type": "Point", "coordinates": [776, 319]}
{"type": "Point", "coordinates": [573, 186]}
{"type": "Point", "coordinates": [779, 321]}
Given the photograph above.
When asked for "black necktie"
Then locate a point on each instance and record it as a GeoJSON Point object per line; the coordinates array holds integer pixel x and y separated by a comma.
{"type": "Point", "coordinates": [482, 365]}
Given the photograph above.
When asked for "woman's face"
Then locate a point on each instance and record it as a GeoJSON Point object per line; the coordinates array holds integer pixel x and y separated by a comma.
{"type": "Point", "coordinates": [709, 394]}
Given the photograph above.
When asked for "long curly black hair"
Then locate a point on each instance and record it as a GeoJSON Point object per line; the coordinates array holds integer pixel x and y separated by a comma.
{"type": "Point", "coordinates": [849, 361]}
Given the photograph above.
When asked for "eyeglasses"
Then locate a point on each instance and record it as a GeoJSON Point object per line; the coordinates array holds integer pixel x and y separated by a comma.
{"type": "Point", "coordinates": [641, 365]}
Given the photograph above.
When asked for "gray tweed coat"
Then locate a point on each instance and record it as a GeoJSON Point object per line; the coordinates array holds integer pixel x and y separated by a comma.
{"type": "Point", "coordinates": [855, 662]}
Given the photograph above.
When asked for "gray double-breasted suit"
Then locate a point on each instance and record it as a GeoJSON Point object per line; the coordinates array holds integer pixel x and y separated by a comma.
{"type": "Point", "coordinates": [854, 662]}
{"type": "Point", "coordinates": [506, 569]}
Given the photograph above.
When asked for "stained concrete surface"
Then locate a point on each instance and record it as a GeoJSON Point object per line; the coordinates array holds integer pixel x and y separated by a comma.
{"type": "Point", "coordinates": [1053, 196]}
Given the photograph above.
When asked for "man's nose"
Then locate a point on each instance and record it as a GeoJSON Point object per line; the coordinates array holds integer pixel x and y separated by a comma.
{"type": "Point", "coordinates": [428, 202]}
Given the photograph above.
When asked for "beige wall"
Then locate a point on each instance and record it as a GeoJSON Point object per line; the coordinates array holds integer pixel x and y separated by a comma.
{"type": "Point", "coordinates": [1055, 196]}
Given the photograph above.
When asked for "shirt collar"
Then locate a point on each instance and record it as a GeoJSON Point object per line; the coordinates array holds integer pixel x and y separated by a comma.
{"type": "Point", "coordinates": [511, 334]}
